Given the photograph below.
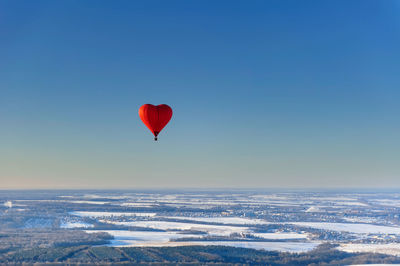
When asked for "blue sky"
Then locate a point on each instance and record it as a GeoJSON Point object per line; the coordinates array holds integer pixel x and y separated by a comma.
{"type": "Point", "coordinates": [264, 93]}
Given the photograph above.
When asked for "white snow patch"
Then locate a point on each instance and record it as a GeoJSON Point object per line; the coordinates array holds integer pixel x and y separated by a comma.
{"type": "Point", "coordinates": [313, 209]}
{"type": "Point", "coordinates": [137, 204]}
{"type": "Point", "coordinates": [123, 238]}
{"type": "Point", "coordinates": [389, 249]}
{"type": "Point", "coordinates": [111, 214]}
{"type": "Point", "coordinates": [281, 235]}
{"type": "Point", "coordinates": [127, 238]}
{"type": "Point", "coordinates": [75, 225]}
{"type": "Point", "coordinates": [88, 202]}
{"type": "Point", "coordinates": [350, 203]}
{"type": "Point", "coordinates": [222, 220]}
{"type": "Point", "coordinates": [220, 230]}
{"type": "Point", "coordinates": [336, 198]}
{"type": "Point", "coordinates": [351, 227]}
{"type": "Point", "coordinates": [387, 202]}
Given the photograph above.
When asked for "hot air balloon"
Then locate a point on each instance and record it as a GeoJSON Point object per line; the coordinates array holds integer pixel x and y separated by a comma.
{"type": "Point", "coordinates": [155, 117]}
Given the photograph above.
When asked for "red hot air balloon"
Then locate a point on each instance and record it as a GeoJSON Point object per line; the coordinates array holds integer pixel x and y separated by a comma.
{"type": "Point", "coordinates": [155, 117]}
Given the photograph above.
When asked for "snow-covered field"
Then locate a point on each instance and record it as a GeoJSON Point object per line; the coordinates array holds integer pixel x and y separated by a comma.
{"type": "Point", "coordinates": [68, 201]}
{"type": "Point", "coordinates": [235, 216]}
{"type": "Point", "coordinates": [313, 209]}
{"type": "Point", "coordinates": [295, 247]}
{"type": "Point", "coordinates": [219, 230]}
{"type": "Point", "coordinates": [138, 204]}
{"type": "Point", "coordinates": [128, 238]}
{"type": "Point", "coordinates": [222, 220]}
{"type": "Point", "coordinates": [124, 238]}
{"type": "Point", "coordinates": [350, 203]}
{"type": "Point", "coordinates": [110, 214]}
{"type": "Point", "coordinates": [95, 196]}
{"type": "Point", "coordinates": [281, 235]}
{"type": "Point", "coordinates": [89, 202]}
{"type": "Point", "coordinates": [387, 202]}
{"type": "Point", "coordinates": [390, 249]}
{"type": "Point", "coordinates": [352, 227]}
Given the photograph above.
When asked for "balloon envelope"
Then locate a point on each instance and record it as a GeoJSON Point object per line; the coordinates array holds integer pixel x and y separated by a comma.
{"type": "Point", "coordinates": [155, 117]}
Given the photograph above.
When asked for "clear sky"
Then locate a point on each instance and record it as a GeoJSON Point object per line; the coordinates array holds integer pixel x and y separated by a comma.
{"type": "Point", "coordinates": [265, 93]}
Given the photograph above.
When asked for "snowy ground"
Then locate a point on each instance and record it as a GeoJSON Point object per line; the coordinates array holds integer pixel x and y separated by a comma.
{"type": "Point", "coordinates": [110, 214]}
{"type": "Point", "coordinates": [124, 238]}
{"type": "Point", "coordinates": [217, 230]}
{"type": "Point", "coordinates": [352, 227]}
{"type": "Point", "coordinates": [222, 220]}
{"type": "Point", "coordinates": [390, 249]}
{"type": "Point", "coordinates": [295, 247]}
{"type": "Point", "coordinates": [236, 216]}
{"type": "Point", "coordinates": [127, 238]}
{"type": "Point", "coordinates": [281, 235]}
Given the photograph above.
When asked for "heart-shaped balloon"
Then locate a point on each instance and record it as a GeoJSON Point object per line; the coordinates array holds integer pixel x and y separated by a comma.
{"type": "Point", "coordinates": [155, 117]}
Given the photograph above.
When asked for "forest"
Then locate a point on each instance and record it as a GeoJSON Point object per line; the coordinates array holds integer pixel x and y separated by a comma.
{"type": "Point", "coordinates": [325, 254]}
